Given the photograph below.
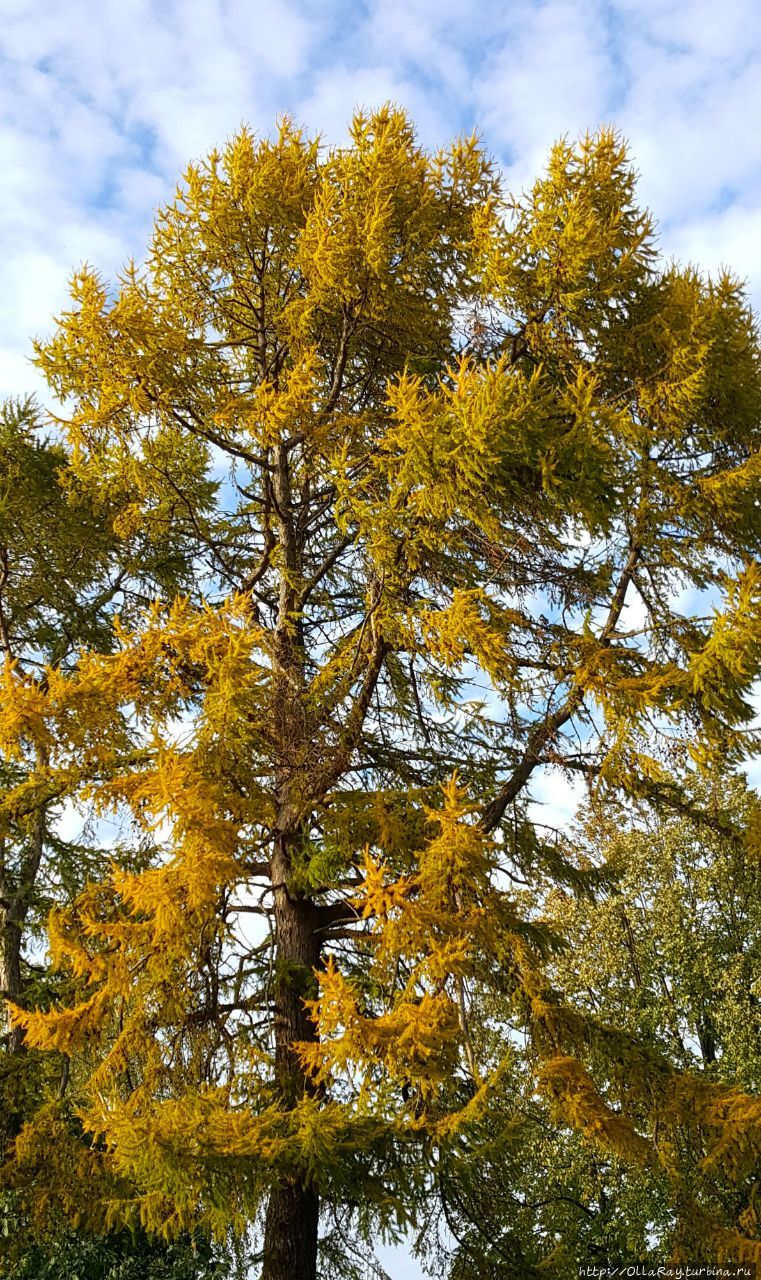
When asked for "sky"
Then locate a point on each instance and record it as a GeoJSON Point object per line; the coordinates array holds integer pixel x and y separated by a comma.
{"type": "Point", "coordinates": [103, 104]}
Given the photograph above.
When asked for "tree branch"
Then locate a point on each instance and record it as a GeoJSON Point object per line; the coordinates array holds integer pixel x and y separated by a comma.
{"type": "Point", "coordinates": [543, 733]}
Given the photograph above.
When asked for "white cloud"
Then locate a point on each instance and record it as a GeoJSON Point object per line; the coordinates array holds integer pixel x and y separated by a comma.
{"type": "Point", "coordinates": [717, 31]}
{"type": "Point", "coordinates": [399, 1263]}
{"type": "Point", "coordinates": [548, 76]}
{"type": "Point", "coordinates": [729, 239]}
{"type": "Point", "coordinates": [337, 92]}
{"type": "Point", "coordinates": [102, 107]}
{"type": "Point", "coordinates": [555, 798]}
{"type": "Point", "coordinates": [426, 38]}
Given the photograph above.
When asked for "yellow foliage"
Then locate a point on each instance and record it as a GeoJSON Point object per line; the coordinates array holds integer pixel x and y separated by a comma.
{"type": "Point", "coordinates": [399, 435]}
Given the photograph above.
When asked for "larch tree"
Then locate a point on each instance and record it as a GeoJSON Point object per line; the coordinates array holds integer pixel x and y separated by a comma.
{"type": "Point", "coordinates": [458, 472]}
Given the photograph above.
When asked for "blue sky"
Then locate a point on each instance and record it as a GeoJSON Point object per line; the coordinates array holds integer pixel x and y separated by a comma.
{"type": "Point", "coordinates": [102, 104]}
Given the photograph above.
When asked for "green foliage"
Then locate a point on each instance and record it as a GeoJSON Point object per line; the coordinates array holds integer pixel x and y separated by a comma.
{"type": "Point", "coordinates": [667, 951]}
{"type": "Point", "coordinates": [125, 1256]}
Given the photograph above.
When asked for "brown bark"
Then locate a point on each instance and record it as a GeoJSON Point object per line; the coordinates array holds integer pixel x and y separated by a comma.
{"type": "Point", "coordinates": [290, 1238]}
{"type": "Point", "coordinates": [10, 973]}
{"type": "Point", "coordinates": [15, 900]}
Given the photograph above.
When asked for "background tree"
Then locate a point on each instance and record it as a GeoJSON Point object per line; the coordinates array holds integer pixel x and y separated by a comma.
{"type": "Point", "coordinates": [53, 553]}
{"type": "Point", "coordinates": [65, 570]}
{"type": "Point", "coordinates": [666, 949]}
{"type": "Point", "coordinates": [454, 436]}
{"type": "Point", "coordinates": [64, 573]}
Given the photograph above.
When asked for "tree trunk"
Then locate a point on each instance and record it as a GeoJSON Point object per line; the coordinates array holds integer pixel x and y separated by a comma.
{"type": "Point", "coordinates": [290, 1231]}
{"type": "Point", "coordinates": [290, 1236]}
{"type": "Point", "coordinates": [10, 973]}
{"type": "Point", "coordinates": [12, 1038]}
{"type": "Point", "coordinates": [15, 895]}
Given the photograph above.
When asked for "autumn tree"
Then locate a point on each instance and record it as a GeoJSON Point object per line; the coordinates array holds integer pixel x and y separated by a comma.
{"type": "Point", "coordinates": [459, 473]}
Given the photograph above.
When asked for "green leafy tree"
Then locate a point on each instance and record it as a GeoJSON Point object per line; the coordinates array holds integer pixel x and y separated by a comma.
{"type": "Point", "coordinates": [673, 951]}
{"type": "Point", "coordinates": [454, 435]}
{"type": "Point", "coordinates": [665, 948]}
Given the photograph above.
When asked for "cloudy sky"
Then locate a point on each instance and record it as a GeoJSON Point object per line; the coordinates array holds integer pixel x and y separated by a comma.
{"type": "Point", "coordinates": [102, 104]}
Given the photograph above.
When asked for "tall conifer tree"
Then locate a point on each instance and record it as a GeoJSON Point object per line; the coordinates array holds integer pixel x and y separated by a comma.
{"type": "Point", "coordinates": [453, 437]}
